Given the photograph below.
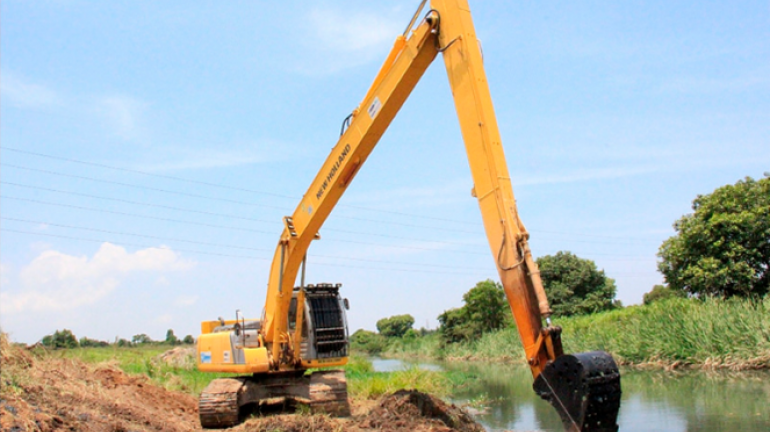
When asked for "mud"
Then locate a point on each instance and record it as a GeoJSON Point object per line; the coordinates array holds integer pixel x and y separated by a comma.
{"type": "Point", "coordinates": [40, 393]}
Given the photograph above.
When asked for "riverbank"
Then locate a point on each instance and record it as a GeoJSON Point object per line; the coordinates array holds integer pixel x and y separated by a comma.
{"type": "Point", "coordinates": [89, 389]}
{"type": "Point", "coordinates": [711, 334]}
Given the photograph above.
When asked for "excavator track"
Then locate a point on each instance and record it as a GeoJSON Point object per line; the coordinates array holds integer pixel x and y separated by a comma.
{"type": "Point", "coordinates": [328, 393]}
{"type": "Point", "coordinates": [221, 401]}
{"type": "Point", "coordinates": [218, 405]}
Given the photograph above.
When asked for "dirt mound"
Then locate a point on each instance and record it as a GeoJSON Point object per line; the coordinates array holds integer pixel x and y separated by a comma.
{"type": "Point", "coordinates": [42, 393]}
{"type": "Point", "coordinates": [404, 409]}
{"type": "Point", "coordinates": [182, 357]}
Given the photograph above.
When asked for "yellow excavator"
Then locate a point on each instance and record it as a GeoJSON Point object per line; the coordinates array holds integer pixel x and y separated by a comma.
{"type": "Point", "coordinates": [304, 326]}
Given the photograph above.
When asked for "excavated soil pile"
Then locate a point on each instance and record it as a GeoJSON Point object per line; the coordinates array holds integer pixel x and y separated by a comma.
{"type": "Point", "coordinates": [406, 409]}
{"type": "Point", "coordinates": [179, 357]}
{"type": "Point", "coordinates": [40, 393]}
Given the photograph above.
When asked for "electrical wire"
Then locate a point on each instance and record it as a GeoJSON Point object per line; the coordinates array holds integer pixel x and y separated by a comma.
{"type": "Point", "coordinates": [411, 215]}
{"type": "Point", "coordinates": [225, 245]}
{"type": "Point", "coordinates": [227, 255]}
{"type": "Point", "coordinates": [224, 226]}
{"type": "Point", "coordinates": [187, 194]}
{"type": "Point", "coordinates": [220, 214]}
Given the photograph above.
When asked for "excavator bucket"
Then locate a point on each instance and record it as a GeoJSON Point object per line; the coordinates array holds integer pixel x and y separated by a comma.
{"type": "Point", "coordinates": [585, 390]}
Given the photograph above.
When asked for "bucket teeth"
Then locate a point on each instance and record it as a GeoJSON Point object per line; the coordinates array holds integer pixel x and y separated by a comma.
{"type": "Point", "coordinates": [585, 390]}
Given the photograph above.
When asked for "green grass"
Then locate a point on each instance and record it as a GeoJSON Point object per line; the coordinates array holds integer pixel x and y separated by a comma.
{"type": "Point", "coordinates": [143, 360]}
{"type": "Point", "coordinates": [731, 333]}
{"type": "Point", "coordinates": [713, 333]}
{"type": "Point", "coordinates": [363, 381]}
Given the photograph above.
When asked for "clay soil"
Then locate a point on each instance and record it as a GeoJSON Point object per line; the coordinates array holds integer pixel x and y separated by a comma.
{"type": "Point", "coordinates": [45, 394]}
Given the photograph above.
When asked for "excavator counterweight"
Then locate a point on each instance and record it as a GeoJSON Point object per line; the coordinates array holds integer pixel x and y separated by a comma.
{"type": "Point", "coordinates": [305, 326]}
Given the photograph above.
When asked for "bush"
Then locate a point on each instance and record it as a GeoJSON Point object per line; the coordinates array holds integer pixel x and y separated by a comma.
{"type": "Point", "coordinates": [395, 326]}
{"type": "Point", "coordinates": [87, 342]}
{"type": "Point", "coordinates": [60, 339]}
{"type": "Point", "coordinates": [368, 341]}
{"type": "Point", "coordinates": [662, 292]}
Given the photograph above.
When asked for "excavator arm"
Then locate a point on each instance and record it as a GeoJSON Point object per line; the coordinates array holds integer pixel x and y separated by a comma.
{"type": "Point", "coordinates": [584, 388]}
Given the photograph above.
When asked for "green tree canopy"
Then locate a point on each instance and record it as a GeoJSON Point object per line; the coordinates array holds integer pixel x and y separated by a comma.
{"type": "Point", "coordinates": [141, 339]}
{"type": "Point", "coordinates": [88, 342]}
{"type": "Point", "coordinates": [662, 292]}
{"type": "Point", "coordinates": [485, 310]}
{"type": "Point", "coordinates": [188, 340]}
{"type": "Point", "coordinates": [60, 339]}
{"type": "Point", "coordinates": [171, 338]}
{"type": "Point", "coordinates": [574, 285]}
{"type": "Point", "coordinates": [486, 305]}
{"type": "Point", "coordinates": [395, 326]}
{"type": "Point", "coordinates": [723, 247]}
{"type": "Point", "coordinates": [367, 341]}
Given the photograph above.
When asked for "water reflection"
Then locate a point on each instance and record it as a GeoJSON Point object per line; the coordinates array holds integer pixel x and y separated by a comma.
{"type": "Point", "coordinates": [652, 400]}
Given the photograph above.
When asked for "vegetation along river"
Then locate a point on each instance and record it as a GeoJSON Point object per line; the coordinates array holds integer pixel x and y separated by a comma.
{"type": "Point", "coordinates": [653, 400]}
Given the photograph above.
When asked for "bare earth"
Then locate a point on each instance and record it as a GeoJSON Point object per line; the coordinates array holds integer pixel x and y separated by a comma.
{"type": "Point", "coordinates": [69, 395]}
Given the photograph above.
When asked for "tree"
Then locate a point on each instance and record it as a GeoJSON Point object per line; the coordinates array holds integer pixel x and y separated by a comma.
{"type": "Point", "coordinates": [723, 247]}
{"type": "Point", "coordinates": [574, 285]}
{"type": "Point", "coordinates": [454, 326]}
{"type": "Point", "coordinates": [88, 342]}
{"type": "Point", "coordinates": [485, 310]}
{"type": "Point", "coordinates": [171, 338]}
{"type": "Point", "coordinates": [395, 326]}
{"type": "Point", "coordinates": [486, 306]}
{"type": "Point", "coordinates": [188, 340]}
{"type": "Point", "coordinates": [141, 339]}
{"type": "Point", "coordinates": [662, 292]}
{"type": "Point", "coordinates": [368, 341]}
{"type": "Point", "coordinates": [60, 339]}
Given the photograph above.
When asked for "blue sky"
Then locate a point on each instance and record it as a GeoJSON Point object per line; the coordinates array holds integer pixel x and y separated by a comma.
{"type": "Point", "coordinates": [150, 149]}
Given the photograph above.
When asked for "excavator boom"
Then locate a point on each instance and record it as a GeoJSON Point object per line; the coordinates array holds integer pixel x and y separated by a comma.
{"type": "Point", "coordinates": [584, 388]}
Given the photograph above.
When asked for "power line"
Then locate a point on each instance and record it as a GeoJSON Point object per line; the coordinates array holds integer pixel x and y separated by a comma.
{"type": "Point", "coordinates": [133, 234]}
{"type": "Point", "coordinates": [136, 202]}
{"type": "Point", "coordinates": [236, 188]}
{"type": "Point", "coordinates": [218, 214]}
{"type": "Point", "coordinates": [135, 215]}
{"type": "Point", "coordinates": [131, 244]}
{"type": "Point", "coordinates": [224, 226]}
{"type": "Point", "coordinates": [224, 245]}
{"type": "Point", "coordinates": [187, 194]}
{"type": "Point", "coordinates": [225, 255]}
{"type": "Point", "coordinates": [43, 155]}
{"type": "Point", "coordinates": [467, 252]}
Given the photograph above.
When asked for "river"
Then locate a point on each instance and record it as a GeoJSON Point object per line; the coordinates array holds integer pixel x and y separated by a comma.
{"type": "Point", "coordinates": [662, 401]}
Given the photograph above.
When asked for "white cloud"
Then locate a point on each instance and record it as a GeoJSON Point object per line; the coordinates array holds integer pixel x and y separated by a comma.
{"type": "Point", "coordinates": [164, 319]}
{"type": "Point", "coordinates": [339, 39]}
{"type": "Point", "coordinates": [55, 281]}
{"type": "Point", "coordinates": [185, 300]}
{"type": "Point", "coordinates": [22, 93]}
{"type": "Point", "coordinates": [5, 271]}
{"type": "Point", "coordinates": [346, 32]}
{"type": "Point", "coordinates": [124, 114]}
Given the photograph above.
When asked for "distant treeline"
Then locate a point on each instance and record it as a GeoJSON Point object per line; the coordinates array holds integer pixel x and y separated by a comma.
{"type": "Point", "coordinates": [61, 339]}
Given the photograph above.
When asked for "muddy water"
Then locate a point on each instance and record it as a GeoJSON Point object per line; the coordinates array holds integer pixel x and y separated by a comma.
{"type": "Point", "coordinates": [652, 400]}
